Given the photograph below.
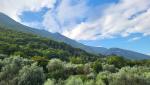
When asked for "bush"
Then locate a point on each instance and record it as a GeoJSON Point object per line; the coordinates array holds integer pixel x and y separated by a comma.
{"type": "Point", "coordinates": [56, 69]}
{"type": "Point", "coordinates": [116, 61]}
{"type": "Point", "coordinates": [76, 60]}
{"type": "Point", "coordinates": [31, 75]}
{"type": "Point", "coordinates": [74, 80]}
{"type": "Point", "coordinates": [49, 82]}
{"type": "Point", "coordinates": [131, 76]}
{"type": "Point", "coordinates": [110, 68]}
{"type": "Point", "coordinates": [87, 69]}
{"type": "Point", "coordinates": [103, 78]}
{"type": "Point", "coordinates": [97, 66]}
{"type": "Point", "coordinates": [42, 61]}
{"type": "Point", "coordinates": [10, 69]}
{"type": "Point", "coordinates": [89, 82]}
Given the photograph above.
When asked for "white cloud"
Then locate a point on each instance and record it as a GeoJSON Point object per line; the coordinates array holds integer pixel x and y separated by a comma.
{"type": "Point", "coordinates": [134, 39]}
{"type": "Point", "coordinates": [50, 22]}
{"type": "Point", "coordinates": [121, 19]}
{"type": "Point", "coordinates": [13, 8]}
{"type": "Point", "coordinates": [65, 16]}
{"type": "Point", "coordinates": [67, 12]}
{"type": "Point", "coordinates": [82, 32]}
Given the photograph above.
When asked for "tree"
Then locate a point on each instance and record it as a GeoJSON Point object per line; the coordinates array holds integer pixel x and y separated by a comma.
{"type": "Point", "coordinates": [116, 61]}
{"type": "Point", "coordinates": [107, 67]}
{"type": "Point", "coordinates": [97, 66]}
{"type": "Point", "coordinates": [132, 76]}
{"type": "Point", "coordinates": [89, 82]}
{"type": "Point", "coordinates": [76, 60]}
{"type": "Point", "coordinates": [55, 69]}
{"type": "Point", "coordinates": [42, 61]}
{"type": "Point", "coordinates": [49, 82]}
{"type": "Point", "coordinates": [31, 75]}
{"type": "Point", "coordinates": [103, 78]}
{"type": "Point", "coordinates": [74, 80]}
{"type": "Point", "coordinates": [10, 69]}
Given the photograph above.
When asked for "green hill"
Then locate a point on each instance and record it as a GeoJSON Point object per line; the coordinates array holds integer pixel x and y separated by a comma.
{"type": "Point", "coordinates": [7, 22]}
{"type": "Point", "coordinates": [29, 45]}
{"type": "Point", "coordinates": [28, 59]}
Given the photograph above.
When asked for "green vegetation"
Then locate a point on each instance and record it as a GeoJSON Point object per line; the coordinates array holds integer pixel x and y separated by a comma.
{"type": "Point", "coordinates": [28, 46]}
{"type": "Point", "coordinates": [20, 71]}
{"type": "Point", "coordinates": [27, 59]}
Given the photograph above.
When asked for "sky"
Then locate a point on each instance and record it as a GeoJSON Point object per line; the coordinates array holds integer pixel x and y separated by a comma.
{"type": "Point", "coordinates": [101, 23]}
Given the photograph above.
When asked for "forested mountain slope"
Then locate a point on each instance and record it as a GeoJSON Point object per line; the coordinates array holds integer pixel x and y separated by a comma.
{"type": "Point", "coordinates": [7, 22]}
{"type": "Point", "coordinates": [28, 59]}
{"type": "Point", "coordinates": [29, 45]}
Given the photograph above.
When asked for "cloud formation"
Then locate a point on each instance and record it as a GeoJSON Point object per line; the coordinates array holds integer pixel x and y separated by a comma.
{"type": "Point", "coordinates": [121, 19]}
{"type": "Point", "coordinates": [65, 15]}
{"type": "Point", "coordinates": [13, 8]}
{"type": "Point", "coordinates": [76, 20]}
{"type": "Point", "coordinates": [134, 39]}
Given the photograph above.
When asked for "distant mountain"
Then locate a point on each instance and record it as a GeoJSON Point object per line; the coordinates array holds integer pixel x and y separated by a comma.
{"type": "Point", "coordinates": [128, 54]}
{"type": "Point", "coordinates": [7, 22]}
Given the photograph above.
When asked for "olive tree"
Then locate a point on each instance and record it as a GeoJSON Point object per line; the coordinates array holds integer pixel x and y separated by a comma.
{"type": "Point", "coordinates": [74, 80]}
{"type": "Point", "coordinates": [10, 69]}
{"type": "Point", "coordinates": [55, 69]}
{"type": "Point", "coordinates": [49, 82]}
{"type": "Point", "coordinates": [31, 75]}
{"type": "Point", "coordinates": [131, 76]}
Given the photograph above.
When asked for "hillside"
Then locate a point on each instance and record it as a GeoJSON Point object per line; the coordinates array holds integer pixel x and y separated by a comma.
{"type": "Point", "coordinates": [25, 57]}
{"type": "Point", "coordinates": [29, 45]}
{"type": "Point", "coordinates": [9, 23]}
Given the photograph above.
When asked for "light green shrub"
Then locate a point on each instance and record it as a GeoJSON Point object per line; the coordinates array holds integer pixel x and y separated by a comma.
{"type": "Point", "coordinates": [74, 80]}
{"type": "Point", "coordinates": [31, 75]}
{"type": "Point", "coordinates": [49, 82]}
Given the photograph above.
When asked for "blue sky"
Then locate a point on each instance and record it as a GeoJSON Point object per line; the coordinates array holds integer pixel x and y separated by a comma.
{"type": "Point", "coordinates": [141, 45]}
{"type": "Point", "coordinates": [107, 23]}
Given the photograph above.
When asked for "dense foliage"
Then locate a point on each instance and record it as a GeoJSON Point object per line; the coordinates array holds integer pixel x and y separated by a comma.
{"type": "Point", "coordinates": [27, 59]}
{"type": "Point", "coordinates": [20, 71]}
{"type": "Point", "coordinates": [28, 45]}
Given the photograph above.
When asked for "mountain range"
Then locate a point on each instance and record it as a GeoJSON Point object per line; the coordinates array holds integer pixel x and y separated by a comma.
{"type": "Point", "coordinates": [9, 23]}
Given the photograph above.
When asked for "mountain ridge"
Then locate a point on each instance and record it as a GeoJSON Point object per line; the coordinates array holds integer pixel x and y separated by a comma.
{"type": "Point", "coordinates": [7, 22]}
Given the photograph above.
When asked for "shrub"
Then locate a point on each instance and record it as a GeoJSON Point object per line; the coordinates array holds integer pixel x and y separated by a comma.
{"type": "Point", "coordinates": [103, 78]}
{"type": "Point", "coordinates": [49, 82]}
{"type": "Point", "coordinates": [76, 60]}
{"type": "Point", "coordinates": [89, 82]}
{"type": "Point", "coordinates": [10, 69]}
{"type": "Point", "coordinates": [131, 76]}
{"type": "Point", "coordinates": [31, 75]}
{"type": "Point", "coordinates": [116, 61]}
{"type": "Point", "coordinates": [97, 66]}
{"type": "Point", "coordinates": [74, 80]}
{"type": "Point", "coordinates": [56, 69]}
{"type": "Point", "coordinates": [111, 68]}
